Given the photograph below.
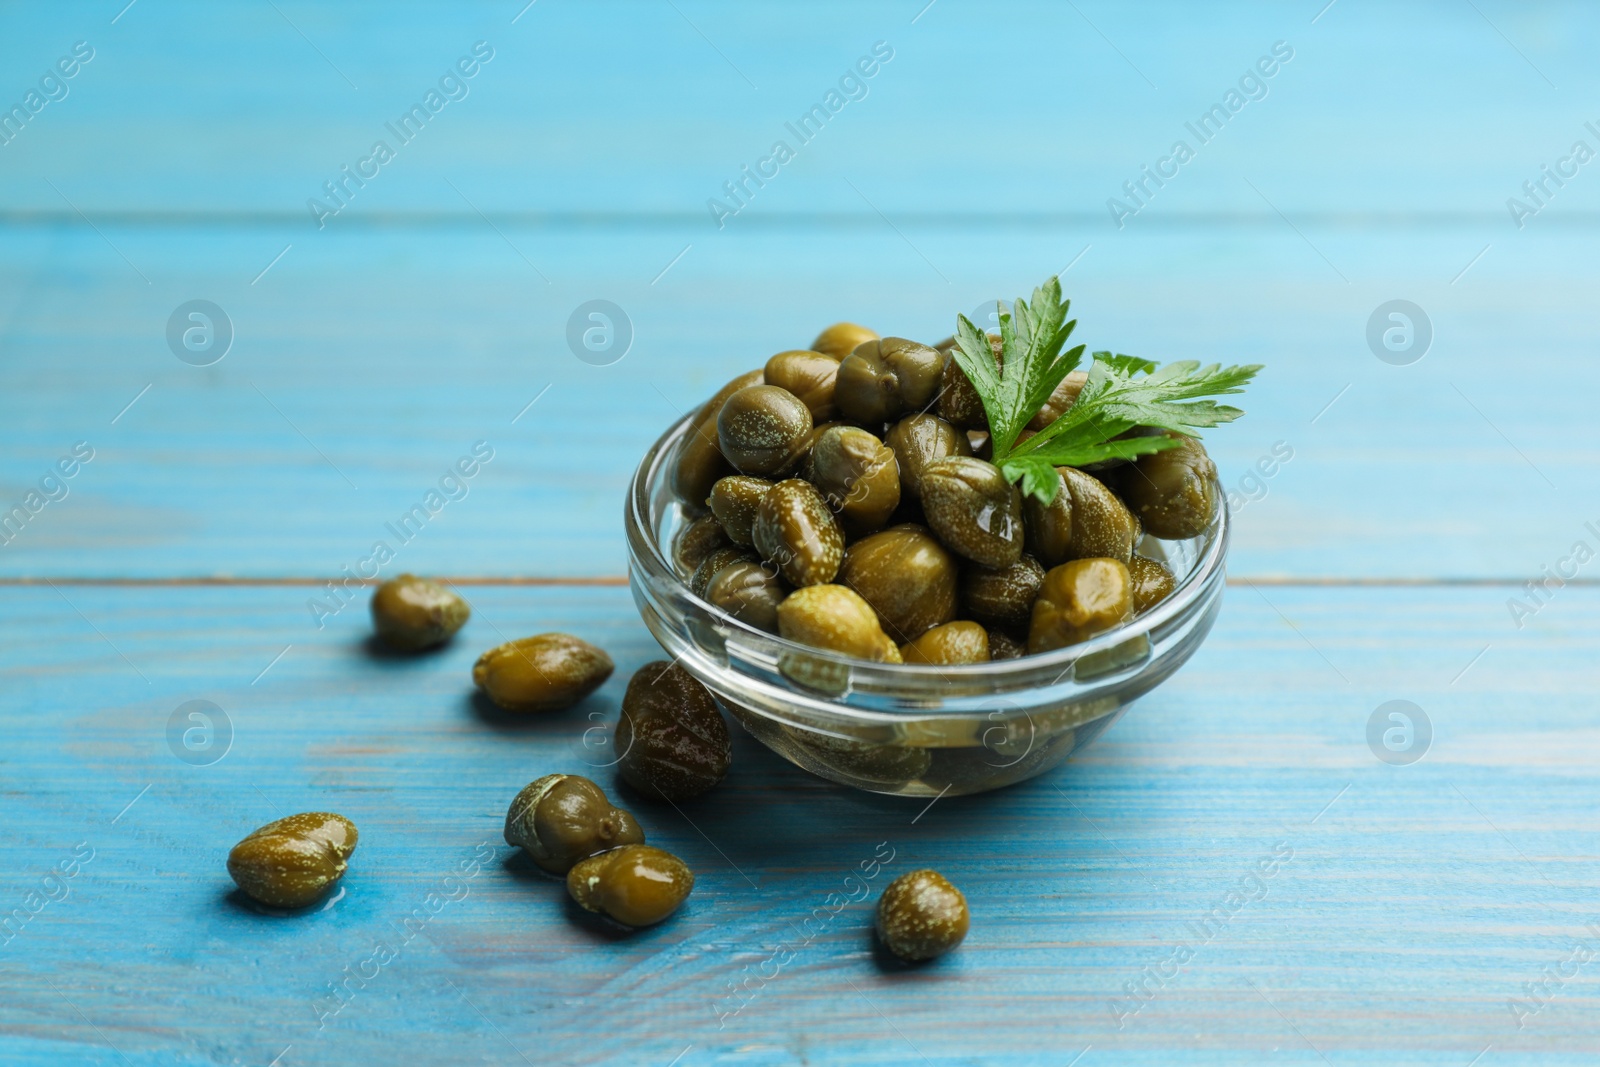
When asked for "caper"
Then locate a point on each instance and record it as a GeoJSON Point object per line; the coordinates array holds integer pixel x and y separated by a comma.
{"type": "Point", "coordinates": [884, 379]}
{"type": "Point", "coordinates": [795, 531]}
{"type": "Point", "coordinates": [546, 672]}
{"type": "Point", "coordinates": [673, 741]}
{"type": "Point", "coordinates": [876, 766]}
{"type": "Point", "coordinates": [952, 643]}
{"type": "Point", "coordinates": [959, 403]}
{"type": "Point", "coordinates": [921, 915]}
{"type": "Point", "coordinates": [412, 613]}
{"type": "Point", "coordinates": [907, 577]}
{"type": "Point", "coordinates": [700, 461]}
{"type": "Point", "coordinates": [1086, 520]}
{"type": "Point", "coordinates": [715, 562]}
{"type": "Point", "coordinates": [763, 429]}
{"type": "Point", "coordinates": [918, 440]}
{"type": "Point", "coordinates": [1003, 646]}
{"type": "Point", "coordinates": [561, 818]}
{"type": "Point", "coordinates": [636, 885]}
{"type": "Point", "coordinates": [695, 542]}
{"type": "Point", "coordinates": [1080, 599]}
{"type": "Point", "coordinates": [748, 591]}
{"type": "Point", "coordinates": [1152, 582]}
{"type": "Point", "coordinates": [1171, 491]}
{"type": "Point", "coordinates": [734, 501]}
{"type": "Point", "coordinates": [809, 376]}
{"type": "Point", "coordinates": [1061, 398]}
{"type": "Point", "coordinates": [291, 862]}
{"type": "Point", "coordinates": [974, 510]}
{"type": "Point", "coordinates": [836, 618]}
{"type": "Point", "coordinates": [841, 339]}
{"type": "Point", "coordinates": [1002, 598]}
{"type": "Point", "coordinates": [857, 476]}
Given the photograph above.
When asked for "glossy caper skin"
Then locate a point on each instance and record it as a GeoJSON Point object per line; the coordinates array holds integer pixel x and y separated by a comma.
{"type": "Point", "coordinates": [809, 376]}
{"type": "Point", "coordinates": [1061, 399]}
{"type": "Point", "coordinates": [950, 644]}
{"type": "Point", "coordinates": [671, 737]}
{"type": "Point", "coordinates": [841, 339]}
{"type": "Point", "coordinates": [412, 613]}
{"type": "Point", "coordinates": [858, 476]}
{"type": "Point", "coordinates": [907, 577]}
{"type": "Point", "coordinates": [749, 591]}
{"type": "Point", "coordinates": [763, 430]}
{"type": "Point", "coordinates": [883, 379]}
{"type": "Point", "coordinates": [836, 618]}
{"type": "Point", "coordinates": [1003, 646]}
{"type": "Point", "coordinates": [1171, 491]}
{"type": "Point", "coordinates": [636, 885]}
{"type": "Point", "coordinates": [974, 510]}
{"type": "Point", "coordinates": [1086, 520]}
{"type": "Point", "coordinates": [700, 461]}
{"type": "Point", "coordinates": [1080, 599]}
{"type": "Point", "coordinates": [921, 915]}
{"type": "Point", "coordinates": [918, 440]}
{"type": "Point", "coordinates": [291, 862]}
{"type": "Point", "coordinates": [734, 501]}
{"type": "Point", "coordinates": [959, 403]}
{"type": "Point", "coordinates": [695, 541]}
{"type": "Point", "coordinates": [715, 562]}
{"type": "Point", "coordinates": [561, 818]}
{"type": "Point", "coordinates": [546, 672]}
{"type": "Point", "coordinates": [795, 531]}
{"type": "Point", "coordinates": [1152, 582]}
{"type": "Point", "coordinates": [1002, 597]}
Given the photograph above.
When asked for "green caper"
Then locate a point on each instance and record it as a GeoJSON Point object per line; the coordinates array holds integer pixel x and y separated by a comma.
{"type": "Point", "coordinates": [715, 562]}
{"type": "Point", "coordinates": [561, 818]}
{"type": "Point", "coordinates": [958, 400]}
{"type": "Point", "coordinates": [1002, 598]}
{"type": "Point", "coordinates": [673, 741]}
{"type": "Point", "coordinates": [700, 461]}
{"type": "Point", "coordinates": [954, 642]}
{"type": "Point", "coordinates": [836, 618]}
{"type": "Point", "coordinates": [636, 885]}
{"type": "Point", "coordinates": [809, 376]}
{"type": "Point", "coordinates": [734, 501]}
{"type": "Point", "coordinates": [1003, 646]}
{"type": "Point", "coordinates": [695, 541]}
{"type": "Point", "coordinates": [1152, 582]}
{"type": "Point", "coordinates": [884, 379]}
{"type": "Point", "coordinates": [907, 577]}
{"type": "Point", "coordinates": [546, 672]}
{"type": "Point", "coordinates": [1086, 520]}
{"type": "Point", "coordinates": [412, 613]}
{"type": "Point", "coordinates": [918, 440]}
{"type": "Point", "coordinates": [795, 531]}
{"type": "Point", "coordinates": [290, 862]}
{"type": "Point", "coordinates": [875, 766]}
{"type": "Point", "coordinates": [921, 915]}
{"type": "Point", "coordinates": [748, 591]}
{"type": "Point", "coordinates": [841, 339]}
{"type": "Point", "coordinates": [857, 476]}
{"type": "Point", "coordinates": [1171, 491]}
{"type": "Point", "coordinates": [1080, 599]}
{"type": "Point", "coordinates": [1061, 398]}
{"type": "Point", "coordinates": [974, 510]}
{"type": "Point", "coordinates": [763, 429]}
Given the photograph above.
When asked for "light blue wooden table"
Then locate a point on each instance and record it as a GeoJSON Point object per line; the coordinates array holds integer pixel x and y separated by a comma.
{"type": "Point", "coordinates": [1426, 913]}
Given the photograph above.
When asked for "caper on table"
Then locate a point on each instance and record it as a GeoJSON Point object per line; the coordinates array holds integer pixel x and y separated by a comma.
{"type": "Point", "coordinates": [292, 861]}
{"type": "Point", "coordinates": [921, 915]}
{"type": "Point", "coordinates": [412, 613]}
{"type": "Point", "coordinates": [671, 738]}
{"type": "Point", "coordinates": [636, 885]}
{"type": "Point", "coordinates": [546, 672]}
{"type": "Point", "coordinates": [562, 818]}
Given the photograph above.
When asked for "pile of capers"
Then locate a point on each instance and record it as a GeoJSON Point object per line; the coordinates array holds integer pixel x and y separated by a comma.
{"type": "Point", "coordinates": [841, 497]}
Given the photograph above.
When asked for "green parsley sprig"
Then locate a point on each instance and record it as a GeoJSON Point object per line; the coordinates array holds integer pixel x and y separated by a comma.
{"type": "Point", "coordinates": [1122, 392]}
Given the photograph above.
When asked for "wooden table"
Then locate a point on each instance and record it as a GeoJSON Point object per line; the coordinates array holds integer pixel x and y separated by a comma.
{"type": "Point", "coordinates": [1426, 912]}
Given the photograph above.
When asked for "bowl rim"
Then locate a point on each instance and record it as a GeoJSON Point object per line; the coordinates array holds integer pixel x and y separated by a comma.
{"type": "Point", "coordinates": [646, 550]}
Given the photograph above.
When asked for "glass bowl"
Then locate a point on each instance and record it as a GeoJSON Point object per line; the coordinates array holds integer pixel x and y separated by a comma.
{"type": "Point", "coordinates": [912, 730]}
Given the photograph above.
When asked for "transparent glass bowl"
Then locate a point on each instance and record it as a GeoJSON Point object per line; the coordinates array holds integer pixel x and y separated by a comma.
{"type": "Point", "coordinates": [912, 730]}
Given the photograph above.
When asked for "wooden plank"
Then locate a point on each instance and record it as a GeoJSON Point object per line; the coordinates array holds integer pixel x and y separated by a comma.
{"type": "Point", "coordinates": [1417, 902]}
